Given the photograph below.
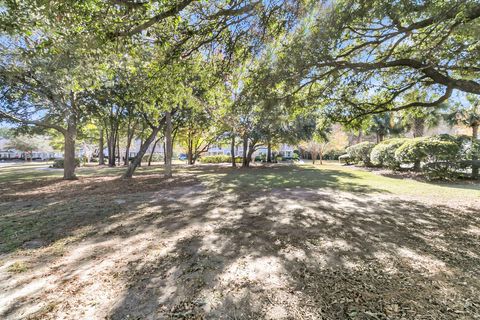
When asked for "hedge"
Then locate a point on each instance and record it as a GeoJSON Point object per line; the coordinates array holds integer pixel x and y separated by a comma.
{"type": "Point", "coordinates": [59, 163]}
{"type": "Point", "coordinates": [383, 154]}
{"type": "Point", "coordinates": [219, 159]}
{"type": "Point", "coordinates": [360, 153]}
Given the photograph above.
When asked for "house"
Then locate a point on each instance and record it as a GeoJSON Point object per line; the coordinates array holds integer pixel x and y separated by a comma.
{"type": "Point", "coordinates": [7, 153]}
{"type": "Point", "coordinates": [283, 149]}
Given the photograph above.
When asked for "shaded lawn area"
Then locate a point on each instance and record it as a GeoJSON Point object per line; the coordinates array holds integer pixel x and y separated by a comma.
{"type": "Point", "coordinates": [280, 242]}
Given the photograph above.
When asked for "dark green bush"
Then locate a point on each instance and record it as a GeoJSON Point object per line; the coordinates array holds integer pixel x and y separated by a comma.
{"type": "Point", "coordinates": [440, 155]}
{"type": "Point", "coordinates": [361, 152]}
{"type": "Point", "coordinates": [429, 149]}
{"type": "Point", "coordinates": [58, 164]}
{"type": "Point", "coordinates": [383, 154]}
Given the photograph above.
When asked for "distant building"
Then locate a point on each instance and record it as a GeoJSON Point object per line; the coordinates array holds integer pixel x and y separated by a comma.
{"type": "Point", "coordinates": [7, 153]}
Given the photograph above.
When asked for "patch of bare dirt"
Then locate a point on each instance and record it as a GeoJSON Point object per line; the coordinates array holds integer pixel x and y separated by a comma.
{"type": "Point", "coordinates": [183, 251]}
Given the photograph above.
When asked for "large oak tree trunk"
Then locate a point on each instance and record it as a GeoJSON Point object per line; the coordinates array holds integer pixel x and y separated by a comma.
{"type": "Point", "coordinates": [168, 145]}
{"type": "Point", "coordinates": [101, 157]}
{"type": "Point", "coordinates": [69, 157]}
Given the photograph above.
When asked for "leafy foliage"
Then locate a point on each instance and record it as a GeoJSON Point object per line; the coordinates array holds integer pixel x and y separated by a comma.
{"type": "Point", "coordinates": [383, 154]}
{"type": "Point", "coordinates": [360, 152]}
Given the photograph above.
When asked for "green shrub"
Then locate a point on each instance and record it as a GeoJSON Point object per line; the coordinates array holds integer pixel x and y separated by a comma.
{"type": "Point", "coordinates": [58, 164]}
{"type": "Point", "coordinates": [429, 149]}
{"type": "Point", "coordinates": [440, 154]}
{"type": "Point", "coordinates": [383, 154]}
{"type": "Point", "coordinates": [333, 154]}
{"type": "Point", "coordinates": [441, 170]}
{"type": "Point", "coordinates": [345, 159]}
{"type": "Point", "coordinates": [361, 152]}
{"type": "Point", "coordinates": [219, 159]}
{"type": "Point", "coordinates": [296, 157]}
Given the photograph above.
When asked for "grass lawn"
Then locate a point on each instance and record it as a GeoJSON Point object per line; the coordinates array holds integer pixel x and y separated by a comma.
{"type": "Point", "coordinates": [279, 242]}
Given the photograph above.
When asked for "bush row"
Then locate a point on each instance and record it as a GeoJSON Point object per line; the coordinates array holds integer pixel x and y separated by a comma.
{"type": "Point", "coordinates": [438, 157]}
{"type": "Point", "coordinates": [219, 159]}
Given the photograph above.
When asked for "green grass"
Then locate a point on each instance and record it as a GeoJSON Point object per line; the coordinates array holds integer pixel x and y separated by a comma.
{"type": "Point", "coordinates": [328, 175]}
{"type": "Point", "coordinates": [332, 176]}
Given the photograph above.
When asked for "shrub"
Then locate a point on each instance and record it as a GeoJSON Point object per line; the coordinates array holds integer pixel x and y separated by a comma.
{"type": "Point", "coordinates": [219, 159]}
{"type": "Point", "coordinates": [58, 164]}
{"type": "Point", "coordinates": [383, 154]}
{"type": "Point", "coordinates": [360, 152]}
{"type": "Point", "coordinates": [345, 159]}
{"type": "Point", "coordinates": [333, 154]}
{"type": "Point", "coordinates": [440, 154]}
{"type": "Point", "coordinates": [430, 149]}
{"type": "Point", "coordinates": [296, 157]}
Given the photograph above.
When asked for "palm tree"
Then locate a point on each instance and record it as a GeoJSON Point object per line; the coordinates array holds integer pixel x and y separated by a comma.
{"type": "Point", "coordinates": [419, 119]}
{"type": "Point", "coordinates": [469, 117]}
{"type": "Point", "coordinates": [385, 124]}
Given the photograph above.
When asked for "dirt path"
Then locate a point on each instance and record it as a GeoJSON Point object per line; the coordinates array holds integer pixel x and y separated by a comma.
{"type": "Point", "coordinates": [190, 251]}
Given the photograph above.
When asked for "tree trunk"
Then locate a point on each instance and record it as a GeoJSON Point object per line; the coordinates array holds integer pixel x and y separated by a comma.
{"type": "Point", "coordinates": [251, 150]}
{"type": "Point", "coordinates": [138, 158]}
{"type": "Point", "coordinates": [101, 157]}
{"type": "Point", "coordinates": [418, 127]}
{"type": "Point", "coordinates": [69, 157]}
{"type": "Point", "coordinates": [130, 135]}
{"type": "Point", "coordinates": [118, 150]}
{"type": "Point", "coordinates": [321, 156]}
{"type": "Point", "coordinates": [314, 157]}
{"type": "Point", "coordinates": [381, 137]}
{"type": "Point", "coordinates": [151, 153]}
{"type": "Point", "coordinates": [168, 145]}
{"type": "Point", "coordinates": [269, 151]}
{"type": "Point", "coordinates": [360, 135]}
{"type": "Point", "coordinates": [475, 168]}
{"type": "Point", "coordinates": [190, 149]}
{"type": "Point", "coordinates": [245, 162]}
{"type": "Point", "coordinates": [111, 145]}
{"type": "Point", "coordinates": [232, 151]}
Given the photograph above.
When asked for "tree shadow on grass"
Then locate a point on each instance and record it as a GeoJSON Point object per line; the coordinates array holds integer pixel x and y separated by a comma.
{"type": "Point", "coordinates": [361, 259]}
{"type": "Point", "coordinates": [195, 251]}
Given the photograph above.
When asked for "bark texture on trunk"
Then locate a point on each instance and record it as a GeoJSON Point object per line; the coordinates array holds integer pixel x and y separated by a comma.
{"type": "Point", "coordinates": [168, 145]}
{"type": "Point", "coordinates": [69, 156]}
{"type": "Point", "coordinates": [101, 157]}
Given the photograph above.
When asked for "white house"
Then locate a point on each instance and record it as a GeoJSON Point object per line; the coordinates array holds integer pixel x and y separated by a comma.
{"type": "Point", "coordinates": [7, 153]}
